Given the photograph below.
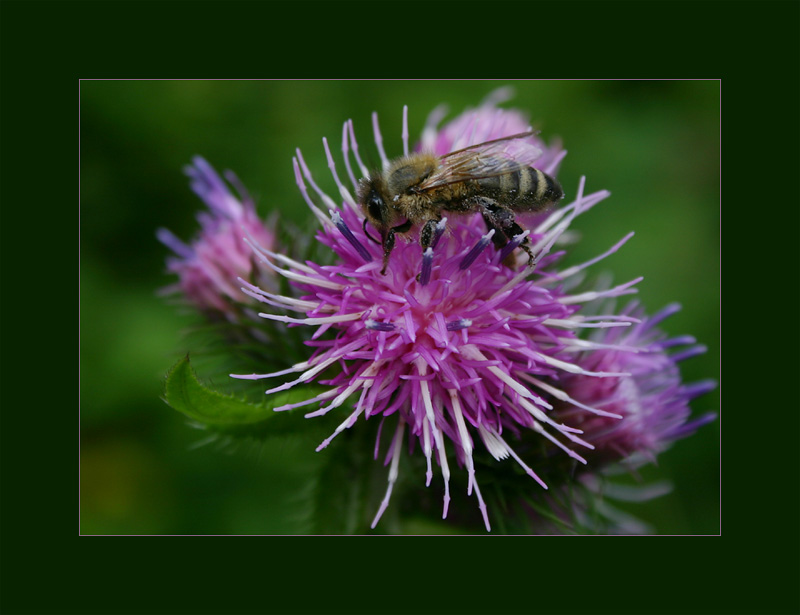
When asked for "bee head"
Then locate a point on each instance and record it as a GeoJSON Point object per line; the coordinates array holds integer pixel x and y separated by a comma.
{"type": "Point", "coordinates": [371, 196]}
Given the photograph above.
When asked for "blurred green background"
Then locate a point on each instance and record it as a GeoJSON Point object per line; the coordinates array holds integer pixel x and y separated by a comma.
{"type": "Point", "coordinates": [653, 144]}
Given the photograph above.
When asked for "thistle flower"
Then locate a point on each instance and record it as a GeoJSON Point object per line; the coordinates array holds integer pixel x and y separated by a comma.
{"type": "Point", "coordinates": [653, 401]}
{"type": "Point", "coordinates": [208, 268]}
{"type": "Point", "coordinates": [486, 123]}
{"type": "Point", "coordinates": [653, 404]}
{"type": "Point", "coordinates": [448, 347]}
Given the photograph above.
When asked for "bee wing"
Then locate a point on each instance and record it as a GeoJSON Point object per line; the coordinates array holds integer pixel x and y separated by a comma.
{"type": "Point", "coordinates": [488, 159]}
{"type": "Point", "coordinates": [512, 146]}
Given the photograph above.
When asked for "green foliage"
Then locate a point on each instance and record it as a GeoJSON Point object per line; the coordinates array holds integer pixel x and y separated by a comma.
{"type": "Point", "coordinates": [340, 492]}
{"type": "Point", "coordinates": [228, 415]}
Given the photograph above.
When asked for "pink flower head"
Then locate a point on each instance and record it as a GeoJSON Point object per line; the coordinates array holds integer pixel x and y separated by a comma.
{"type": "Point", "coordinates": [208, 268]}
{"type": "Point", "coordinates": [486, 123]}
{"type": "Point", "coordinates": [653, 401]}
{"type": "Point", "coordinates": [452, 347]}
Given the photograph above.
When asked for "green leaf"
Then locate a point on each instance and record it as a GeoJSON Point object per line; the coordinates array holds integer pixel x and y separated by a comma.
{"type": "Point", "coordinates": [229, 415]}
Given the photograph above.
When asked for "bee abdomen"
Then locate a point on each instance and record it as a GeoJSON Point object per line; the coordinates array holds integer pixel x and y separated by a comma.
{"type": "Point", "coordinates": [524, 188]}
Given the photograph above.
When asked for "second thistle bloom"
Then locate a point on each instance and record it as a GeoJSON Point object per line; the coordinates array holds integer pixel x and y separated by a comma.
{"type": "Point", "coordinates": [208, 267]}
{"type": "Point", "coordinates": [653, 401]}
{"type": "Point", "coordinates": [652, 404]}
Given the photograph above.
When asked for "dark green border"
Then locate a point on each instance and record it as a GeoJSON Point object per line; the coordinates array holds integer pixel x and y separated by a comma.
{"type": "Point", "coordinates": [47, 47]}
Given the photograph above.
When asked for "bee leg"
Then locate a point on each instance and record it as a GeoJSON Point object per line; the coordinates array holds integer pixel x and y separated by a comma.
{"type": "Point", "coordinates": [388, 246]}
{"type": "Point", "coordinates": [502, 219]}
{"type": "Point", "coordinates": [428, 238]}
{"type": "Point", "coordinates": [496, 218]}
{"type": "Point", "coordinates": [515, 230]}
{"type": "Point", "coordinates": [499, 238]}
{"type": "Point", "coordinates": [500, 215]}
{"type": "Point", "coordinates": [389, 241]}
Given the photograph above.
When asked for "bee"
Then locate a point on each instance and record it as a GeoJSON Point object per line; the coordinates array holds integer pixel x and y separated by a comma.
{"type": "Point", "coordinates": [494, 178]}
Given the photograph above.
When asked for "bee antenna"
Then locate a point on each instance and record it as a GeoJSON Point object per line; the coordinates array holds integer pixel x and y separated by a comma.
{"type": "Point", "coordinates": [366, 232]}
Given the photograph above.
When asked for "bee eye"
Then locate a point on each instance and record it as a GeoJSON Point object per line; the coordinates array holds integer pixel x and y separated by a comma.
{"type": "Point", "coordinates": [375, 206]}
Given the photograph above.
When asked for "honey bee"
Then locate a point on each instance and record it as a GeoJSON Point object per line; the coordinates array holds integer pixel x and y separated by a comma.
{"type": "Point", "coordinates": [494, 178]}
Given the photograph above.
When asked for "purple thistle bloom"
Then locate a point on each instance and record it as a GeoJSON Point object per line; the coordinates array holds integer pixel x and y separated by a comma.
{"type": "Point", "coordinates": [653, 401]}
{"type": "Point", "coordinates": [452, 345]}
{"type": "Point", "coordinates": [486, 123]}
{"type": "Point", "coordinates": [208, 268]}
{"type": "Point", "coordinates": [654, 406]}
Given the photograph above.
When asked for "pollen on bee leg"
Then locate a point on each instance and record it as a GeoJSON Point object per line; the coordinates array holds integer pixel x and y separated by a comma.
{"type": "Point", "coordinates": [476, 250]}
{"type": "Point", "coordinates": [348, 234]}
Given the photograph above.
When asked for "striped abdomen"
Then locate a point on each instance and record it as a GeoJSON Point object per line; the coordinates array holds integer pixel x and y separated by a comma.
{"type": "Point", "coordinates": [526, 188]}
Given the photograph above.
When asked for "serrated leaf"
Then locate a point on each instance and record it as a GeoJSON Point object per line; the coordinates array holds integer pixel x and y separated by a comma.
{"type": "Point", "coordinates": [229, 415]}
